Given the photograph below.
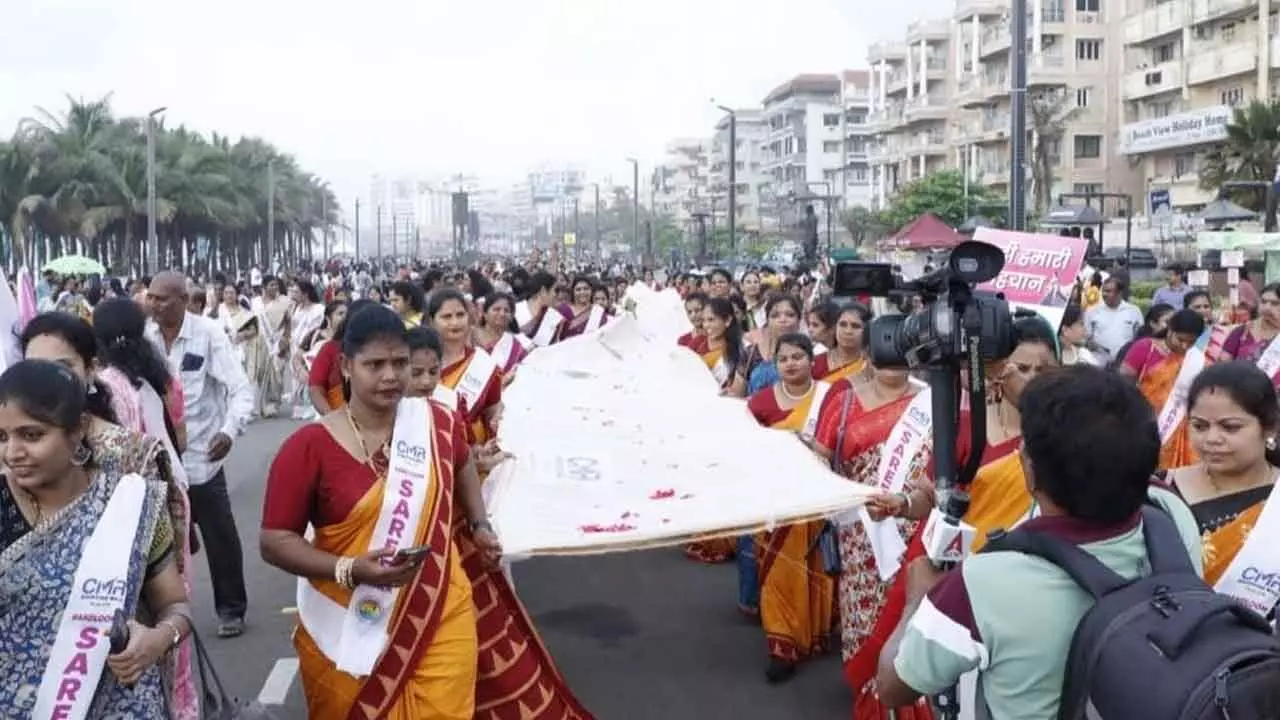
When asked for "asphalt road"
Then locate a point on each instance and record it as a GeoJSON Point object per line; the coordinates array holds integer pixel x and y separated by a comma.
{"type": "Point", "coordinates": [637, 635]}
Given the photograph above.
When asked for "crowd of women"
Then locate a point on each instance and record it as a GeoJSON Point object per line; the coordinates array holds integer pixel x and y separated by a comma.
{"type": "Point", "coordinates": [378, 507]}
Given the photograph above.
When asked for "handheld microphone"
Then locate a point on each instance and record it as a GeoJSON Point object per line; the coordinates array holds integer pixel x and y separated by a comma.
{"type": "Point", "coordinates": [947, 538]}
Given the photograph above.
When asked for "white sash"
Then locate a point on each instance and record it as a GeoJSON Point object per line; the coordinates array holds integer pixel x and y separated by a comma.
{"type": "Point", "coordinates": [1253, 577]}
{"type": "Point", "coordinates": [551, 320]}
{"type": "Point", "coordinates": [475, 378]}
{"type": "Point", "coordinates": [906, 439]}
{"type": "Point", "coordinates": [354, 637]}
{"type": "Point", "coordinates": [1269, 362]}
{"type": "Point", "coordinates": [523, 313]}
{"type": "Point", "coordinates": [819, 349]}
{"type": "Point", "coordinates": [595, 319]}
{"type": "Point", "coordinates": [154, 426]}
{"type": "Point", "coordinates": [720, 371]}
{"type": "Point", "coordinates": [504, 349]}
{"type": "Point", "coordinates": [446, 396]}
{"type": "Point", "coordinates": [810, 426]}
{"type": "Point", "coordinates": [99, 588]}
{"type": "Point", "coordinates": [1175, 406]}
{"type": "Point", "coordinates": [759, 316]}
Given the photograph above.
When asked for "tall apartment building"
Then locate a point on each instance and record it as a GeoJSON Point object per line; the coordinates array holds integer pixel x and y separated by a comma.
{"type": "Point", "coordinates": [803, 145]}
{"type": "Point", "coordinates": [750, 132]}
{"type": "Point", "coordinates": [1187, 64]}
{"type": "Point", "coordinates": [911, 106]}
{"type": "Point", "coordinates": [679, 184]}
{"type": "Point", "coordinates": [855, 178]}
{"type": "Point", "coordinates": [1074, 53]}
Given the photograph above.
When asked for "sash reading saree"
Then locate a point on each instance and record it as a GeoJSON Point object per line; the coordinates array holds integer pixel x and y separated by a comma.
{"type": "Point", "coordinates": [60, 585]}
{"type": "Point", "coordinates": [1165, 379]}
{"type": "Point", "coordinates": [478, 381]}
{"type": "Point", "coordinates": [797, 596]}
{"type": "Point", "coordinates": [860, 669]}
{"type": "Point", "coordinates": [409, 652]}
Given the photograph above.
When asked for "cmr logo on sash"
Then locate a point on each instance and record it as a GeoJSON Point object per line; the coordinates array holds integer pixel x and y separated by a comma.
{"type": "Point", "coordinates": [104, 590]}
{"type": "Point", "coordinates": [415, 454]}
{"type": "Point", "coordinates": [919, 416]}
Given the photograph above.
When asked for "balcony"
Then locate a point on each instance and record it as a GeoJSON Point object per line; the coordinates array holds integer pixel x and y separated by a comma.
{"type": "Point", "coordinates": [896, 82]}
{"type": "Point", "coordinates": [1052, 20]}
{"type": "Point", "coordinates": [856, 97]}
{"type": "Point", "coordinates": [1153, 80]}
{"type": "Point", "coordinates": [1275, 53]}
{"type": "Point", "coordinates": [995, 86]}
{"type": "Point", "coordinates": [969, 92]}
{"type": "Point", "coordinates": [966, 9]}
{"type": "Point", "coordinates": [935, 67]}
{"type": "Point", "coordinates": [887, 50]}
{"type": "Point", "coordinates": [1206, 10]}
{"type": "Point", "coordinates": [926, 108]}
{"type": "Point", "coordinates": [1048, 71]}
{"type": "Point", "coordinates": [933, 143]}
{"type": "Point", "coordinates": [1215, 62]}
{"type": "Point", "coordinates": [995, 39]}
{"type": "Point", "coordinates": [928, 30]}
{"type": "Point", "coordinates": [994, 127]}
{"type": "Point", "coordinates": [1163, 19]}
{"type": "Point", "coordinates": [994, 172]}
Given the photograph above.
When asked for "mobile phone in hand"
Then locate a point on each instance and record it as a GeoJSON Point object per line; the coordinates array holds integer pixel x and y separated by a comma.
{"type": "Point", "coordinates": [411, 554]}
{"type": "Point", "coordinates": [118, 635]}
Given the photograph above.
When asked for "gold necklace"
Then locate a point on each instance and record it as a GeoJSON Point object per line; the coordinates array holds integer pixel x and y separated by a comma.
{"type": "Point", "coordinates": [364, 449]}
{"type": "Point", "coordinates": [795, 398]}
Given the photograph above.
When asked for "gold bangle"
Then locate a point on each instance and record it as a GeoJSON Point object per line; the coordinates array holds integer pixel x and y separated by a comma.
{"type": "Point", "coordinates": [177, 633]}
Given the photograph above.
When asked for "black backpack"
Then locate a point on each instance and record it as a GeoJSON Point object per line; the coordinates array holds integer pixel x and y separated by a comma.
{"type": "Point", "coordinates": [1160, 647]}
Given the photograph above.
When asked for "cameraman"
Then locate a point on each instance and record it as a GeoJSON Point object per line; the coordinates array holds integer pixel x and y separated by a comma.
{"type": "Point", "coordinates": [1089, 449]}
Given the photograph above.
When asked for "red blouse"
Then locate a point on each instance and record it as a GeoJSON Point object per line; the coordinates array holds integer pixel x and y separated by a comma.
{"type": "Point", "coordinates": [314, 480]}
{"type": "Point", "coordinates": [325, 371]}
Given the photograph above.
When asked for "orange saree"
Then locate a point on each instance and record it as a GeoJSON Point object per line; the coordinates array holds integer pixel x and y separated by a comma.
{"type": "Point", "coordinates": [823, 371]}
{"type": "Point", "coordinates": [490, 395]}
{"type": "Point", "coordinates": [1222, 545]}
{"type": "Point", "coordinates": [797, 597]}
{"type": "Point", "coordinates": [517, 678]}
{"type": "Point", "coordinates": [428, 666]}
{"type": "Point", "coordinates": [1156, 381]}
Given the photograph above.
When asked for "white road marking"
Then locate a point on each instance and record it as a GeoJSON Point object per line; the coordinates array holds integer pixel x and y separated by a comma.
{"type": "Point", "coordinates": [276, 687]}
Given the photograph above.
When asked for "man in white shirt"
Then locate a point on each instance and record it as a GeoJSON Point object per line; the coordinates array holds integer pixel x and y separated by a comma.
{"type": "Point", "coordinates": [219, 402]}
{"type": "Point", "coordinates": [1113, 323]}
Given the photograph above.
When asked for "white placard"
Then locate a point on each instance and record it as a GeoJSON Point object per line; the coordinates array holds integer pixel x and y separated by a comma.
{"type": "Point", "coordinates": [1198, 278]}
{"type": "Point", "coordinates": [1231, 259]}
{"type": "Point", "coordinates": [1233, 276]}
{"type": "Point", "coordinates": [622, 441]}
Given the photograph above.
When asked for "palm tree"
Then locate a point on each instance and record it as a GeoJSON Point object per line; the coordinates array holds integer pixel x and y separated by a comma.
{"type": "Point", "coordinates": [1248, 155]}
{"type": "Point", "coordinates": [76, 182]}
{"type": "Point", "coordinates": [1048, 115]}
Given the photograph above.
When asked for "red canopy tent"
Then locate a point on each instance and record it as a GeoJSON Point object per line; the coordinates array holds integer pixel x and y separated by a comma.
{"type": "Point", "coordinates": [927, 232]}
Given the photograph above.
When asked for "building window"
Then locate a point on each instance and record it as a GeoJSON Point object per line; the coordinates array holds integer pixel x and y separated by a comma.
{"type": "Point", "coordinates": [1184, 164]}
{"type": "Point", "coordinates": [1228, 32]}
{"type": "Point", "coordinates": [1086, 188]}
{"type": "Point", "coordinates": [1165, 53]}
{"type": "Point", "coordinates": [1088, 5]}
{"type": "Point", "coordinates": [1161, 109]}
{"type": "Point", "coordinates": [1088, 49]}
{"type": "Point", "coordinates": [1088, 146]}
{"type": "Point", "coordinates": [1233, 96]}
{"type": "Point", "coordinates": [830, 146]}
{"type": "Point", "coordinates": [1082, 97]}
{"type": "Point", "coordinates": [831, 120]}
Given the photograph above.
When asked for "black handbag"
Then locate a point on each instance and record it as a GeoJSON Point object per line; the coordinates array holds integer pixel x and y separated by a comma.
{"type": "Point", "coordinates": [827, 543]}
{"type": "Point", "coordinates": [215, 702]}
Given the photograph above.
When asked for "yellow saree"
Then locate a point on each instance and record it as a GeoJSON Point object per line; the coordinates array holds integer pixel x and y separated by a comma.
{"type": "Point", "coordinates": [797, 596]}
{"type": "Point", "coordinates": [1156, 383]}
{"type": "Point", "coordinates": [998, 497]}
{"type": "Point", "coordinates": [1222, 545]}
{"type": "Point", "coordinates": [429, 666]}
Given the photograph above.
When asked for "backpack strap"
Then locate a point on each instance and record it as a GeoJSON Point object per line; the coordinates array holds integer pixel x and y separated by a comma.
{"type": "Point", "coordinates": [1087, 571]}
{"type": "Point", "coordinates": [1165, 549]}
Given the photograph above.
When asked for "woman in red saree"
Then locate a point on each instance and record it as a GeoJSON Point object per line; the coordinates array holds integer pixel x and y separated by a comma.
{"type": "Point", "coordinates": [577, 311]}
{"type": "Point", "coordinates": [498, 335]}
{"type": "Point", "coordinates": [694, 306]}
{"type": "Point", "coordinates": [1157, 363]}
{"type": "Point", "coordinates": [846, 357]}
{"type": "Point", "coordinates": [998, 499]}
{"type": "Point", "coordinates": [324, 379]}
{"type": "Point", "coordinates": [333, 476]}
{"type": "Point", "coordinates": [469, 371]}
{"type": "Point", "coordinates": [537, 316]}
{"type": "Point", "coordinates": [796, 593]}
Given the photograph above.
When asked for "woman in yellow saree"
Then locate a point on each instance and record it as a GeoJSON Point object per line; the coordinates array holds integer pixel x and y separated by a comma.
{"type": "Point", "coordinates": [387, 561]}
{"type": "Point", "coordinates": [468, 370]}
{"type": "Point", "coordinates": [1233, 419]}
{"type": "Point", "coordinates": [998, 496]}
{"type": "Point", "coordinates": [797, 596]}
{"type": "Point", "coordinates": [847, 357]}
{"type": "Point", "coordinates": [1164, 367]}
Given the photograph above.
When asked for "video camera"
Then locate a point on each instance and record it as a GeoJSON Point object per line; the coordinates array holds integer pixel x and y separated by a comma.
{"type": "Point", "coordinates": [957, 328]}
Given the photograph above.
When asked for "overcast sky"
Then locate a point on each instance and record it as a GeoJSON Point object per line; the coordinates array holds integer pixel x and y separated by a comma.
{"type": "Point", "coordinates": [422, 87]}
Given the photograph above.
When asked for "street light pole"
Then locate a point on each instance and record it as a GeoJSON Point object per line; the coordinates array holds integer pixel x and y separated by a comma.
{"type": "Point", "coordinates": [733, 178]}
{"type": "Point", "coordinates": [599, 257]}
{"type": "Point", "coordinates": [1018, 112]}
{"type": "Point", "coordinates": [271, 216]}
{"type": "Point", "coordinates": [635, 203]}
{"type": "Point", "coordinates": [357, 229]}
{"type": "Point", "coordinates": [153, 241]}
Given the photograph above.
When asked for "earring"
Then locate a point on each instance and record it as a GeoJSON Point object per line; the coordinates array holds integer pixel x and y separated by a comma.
{"type": "Point", "coordinates": [1271, 443]}
{"type": "Point", "coordinates": [81, 455]}
{"type": "Point", "coordinates": [93, 388]}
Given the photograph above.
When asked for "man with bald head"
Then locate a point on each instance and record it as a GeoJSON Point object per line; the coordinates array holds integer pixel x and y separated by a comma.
{"type": "Point", "coordinates": [219, 401]}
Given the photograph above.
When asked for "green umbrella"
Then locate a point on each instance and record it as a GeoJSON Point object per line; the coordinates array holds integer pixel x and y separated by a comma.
{"type": "Point", "coordinates": [75, 265]}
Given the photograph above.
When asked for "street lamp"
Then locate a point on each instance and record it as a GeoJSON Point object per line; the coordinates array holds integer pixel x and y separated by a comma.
{"type": "Point", "coordinates": [153, 241]}
{"type": "Point", "coordinates": [733, 175]}
{"type": "Point", "coordinates": [635, 202]}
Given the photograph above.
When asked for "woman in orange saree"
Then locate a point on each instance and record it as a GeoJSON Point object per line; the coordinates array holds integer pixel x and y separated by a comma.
{"type": "Point", "coordinates": [416, 651]}
{"type": "Point", "coordinates": [1233, 416]}
{"type": "Point", "coordinates": [796, 593]}
{"type": "Point", "coordinates": [1164, 368]}
{"type": "Point", "coordinates": [846, 358]}
{"type": "Point", "coordinates": [469, 371]}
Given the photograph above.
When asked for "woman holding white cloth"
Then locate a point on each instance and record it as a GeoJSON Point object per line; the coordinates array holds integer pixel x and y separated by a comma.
{"type": "Point", "coordinates": [79, 540]}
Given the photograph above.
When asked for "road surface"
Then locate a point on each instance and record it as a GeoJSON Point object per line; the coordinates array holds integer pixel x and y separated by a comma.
{"type": "Point", "coordinates": [637, 635]}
